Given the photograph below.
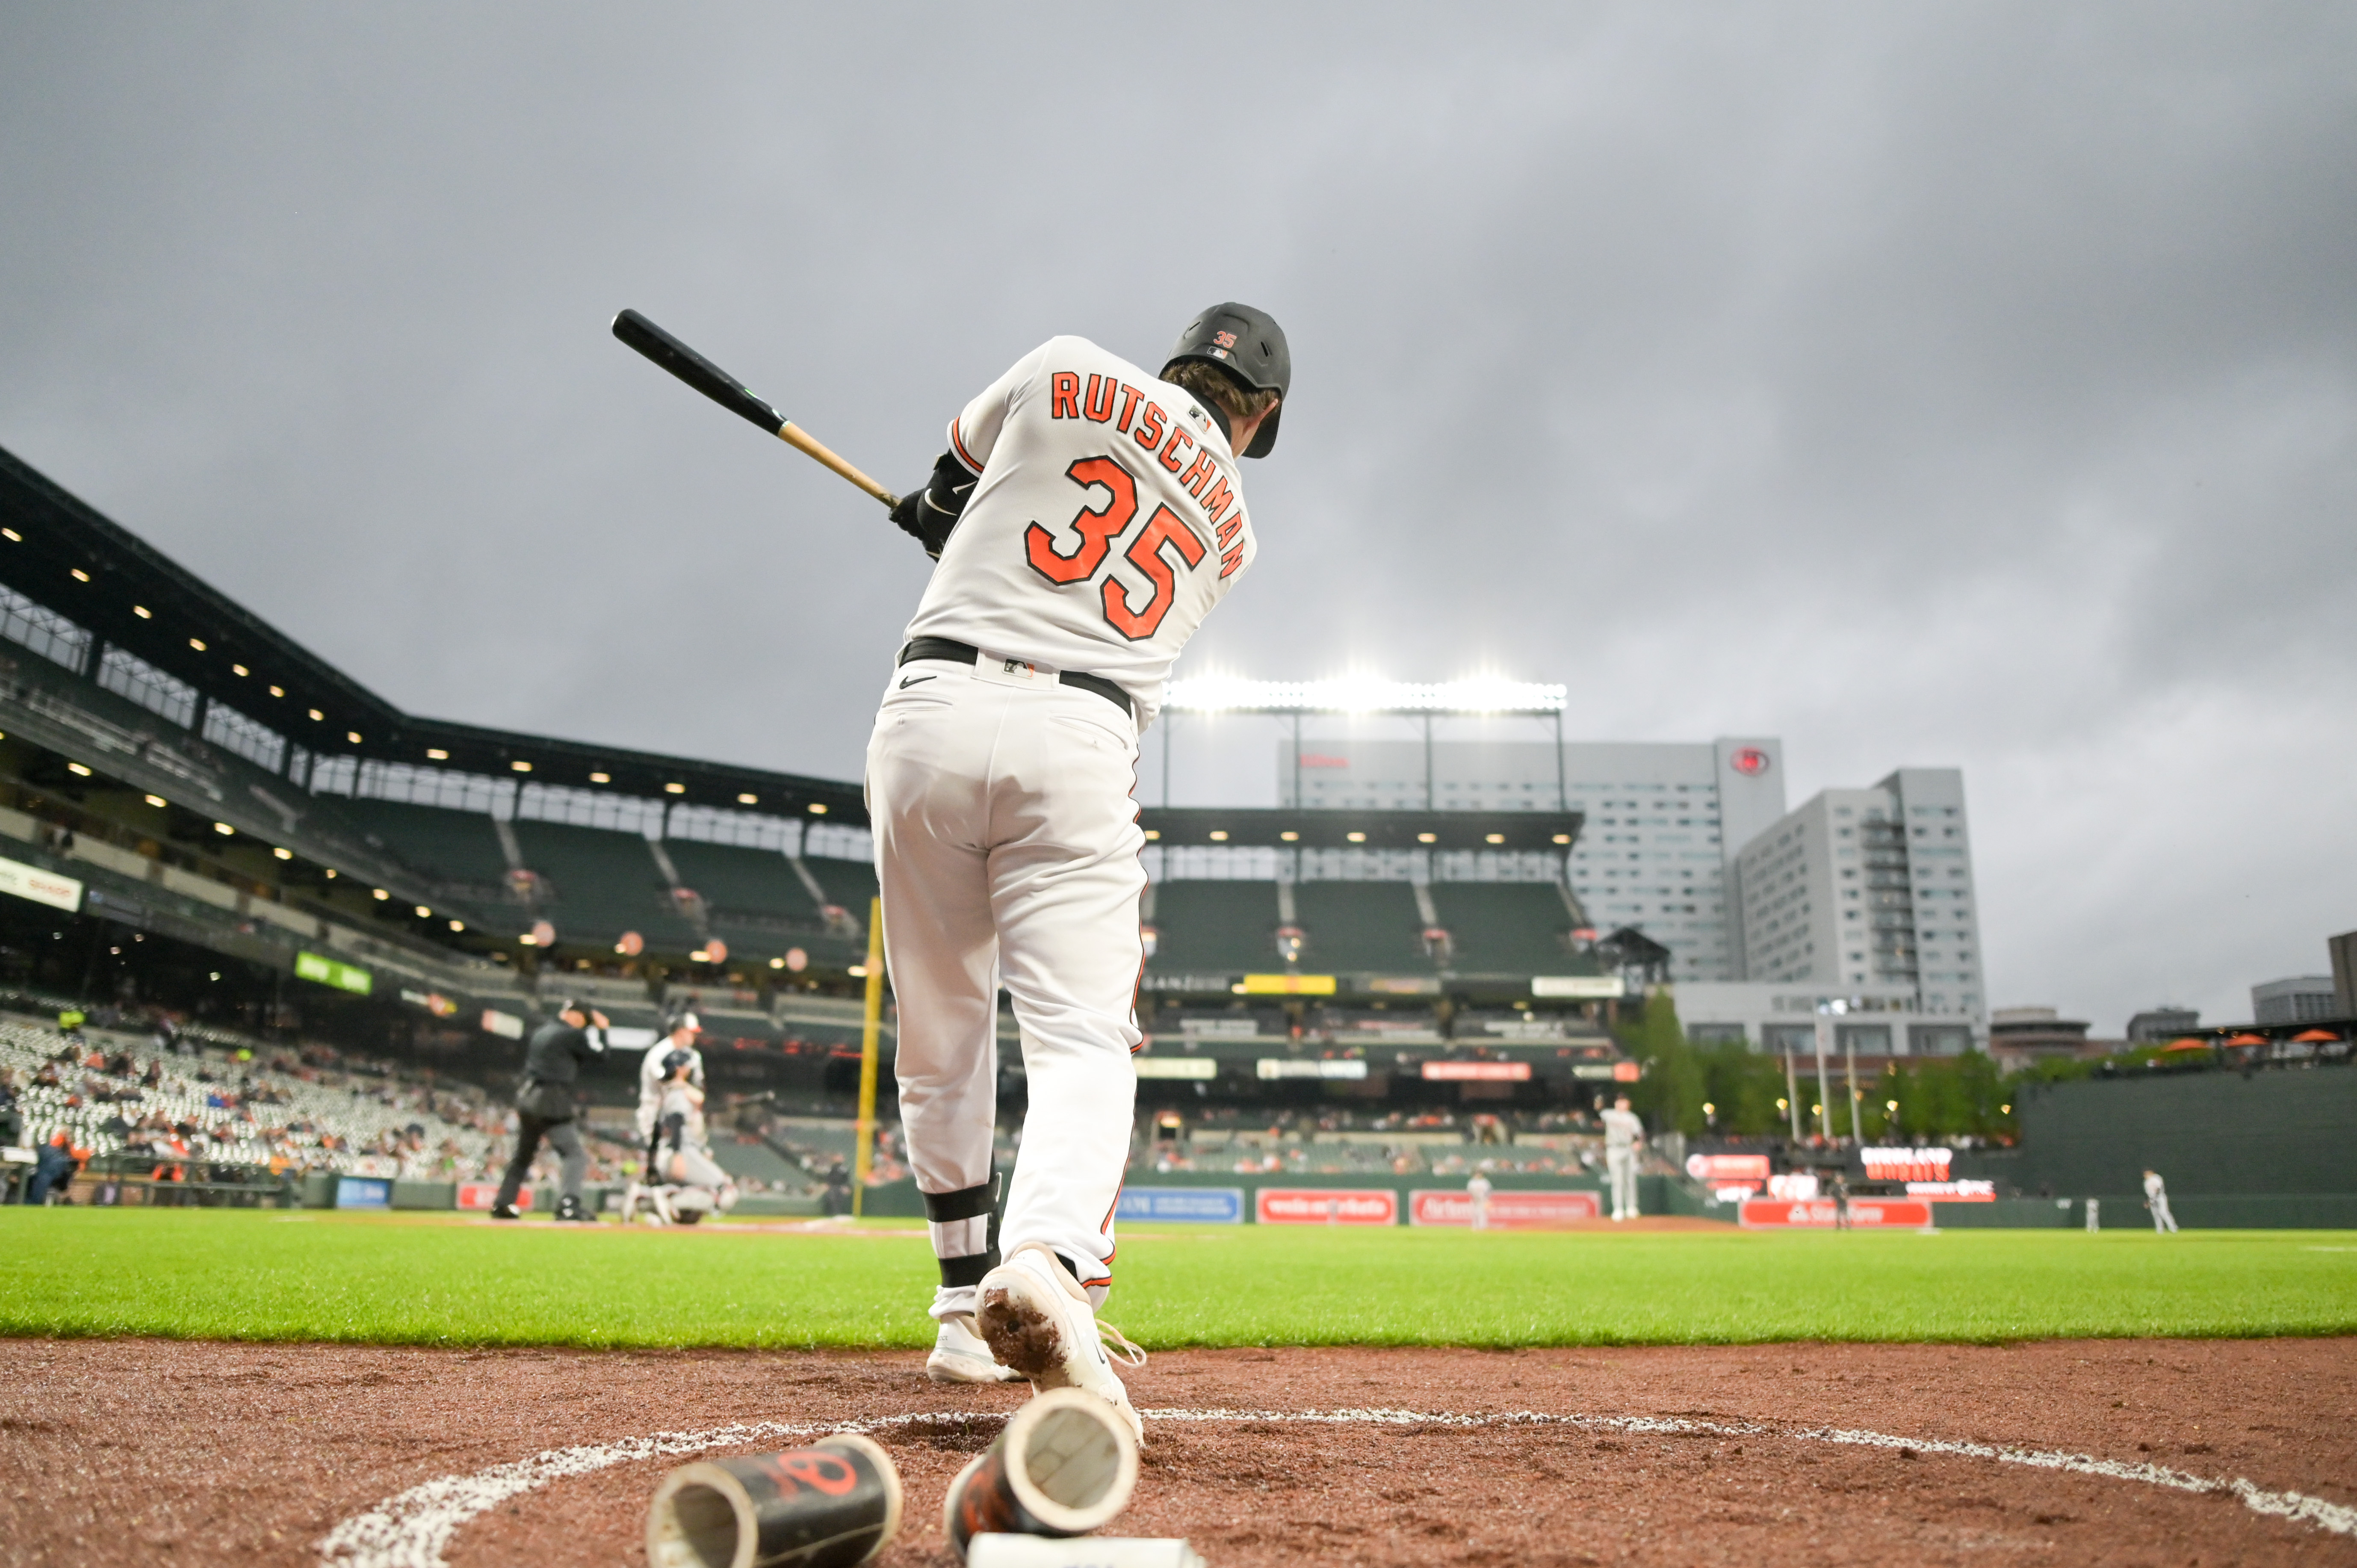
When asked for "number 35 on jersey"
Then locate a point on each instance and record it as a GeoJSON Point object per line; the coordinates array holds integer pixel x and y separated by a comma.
{"type": "Point", "coordinates": [1108, 487]}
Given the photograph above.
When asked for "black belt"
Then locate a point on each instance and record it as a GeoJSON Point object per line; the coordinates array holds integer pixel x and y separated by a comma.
{"type": "Point", "coordinates": [968, 653]}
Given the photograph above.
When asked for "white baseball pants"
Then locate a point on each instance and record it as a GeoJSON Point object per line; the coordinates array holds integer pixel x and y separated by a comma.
{"type": "Point", "coordinates": [1007, 852]}
{"type": "Point", "coordinates": [1620, 1166]}
{"type": "Point", "coordinates": [2163, 1220]}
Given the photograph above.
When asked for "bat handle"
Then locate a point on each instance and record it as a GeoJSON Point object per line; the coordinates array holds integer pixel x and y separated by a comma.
{"type": "Point", "coordinates": [803, 441]}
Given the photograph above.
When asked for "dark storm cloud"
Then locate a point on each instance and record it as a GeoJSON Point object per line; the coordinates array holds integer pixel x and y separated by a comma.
{"type": "Point", "coordinates": [1928, 385]}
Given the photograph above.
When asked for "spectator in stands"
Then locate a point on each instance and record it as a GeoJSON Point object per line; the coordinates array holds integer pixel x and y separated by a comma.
{"type": "Point", "coordinates": [546, 1107]}
{"type": "Point", "coordinates": [55, 1171]}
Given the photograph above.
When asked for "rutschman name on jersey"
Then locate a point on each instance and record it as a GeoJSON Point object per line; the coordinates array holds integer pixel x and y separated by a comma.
{"type": "Point", "coordinates": [1108, 520]}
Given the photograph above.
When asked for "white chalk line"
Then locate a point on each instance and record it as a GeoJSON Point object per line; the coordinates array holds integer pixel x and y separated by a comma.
{"type": "Point", "coordinates": [412, 1529]}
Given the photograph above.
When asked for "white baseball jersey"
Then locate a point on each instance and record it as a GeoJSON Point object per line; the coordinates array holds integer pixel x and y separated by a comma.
{"type": "Point", "coordinates": [2153, 1188]}
{"type": "Point", "coordinates": [1107, 521]}
{"type": "Point", "coordinates": [688, 1106]}
{"type": "Point", "coordinates": [650, 1081]}
{"type": "Point", "coordinates": [1621, 1129]}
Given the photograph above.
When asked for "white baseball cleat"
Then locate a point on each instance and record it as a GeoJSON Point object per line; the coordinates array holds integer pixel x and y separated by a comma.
{"type": "Point", "coordinates": [960, 1356]}
{"type": "Point", "coordinates": [1037, 1319]}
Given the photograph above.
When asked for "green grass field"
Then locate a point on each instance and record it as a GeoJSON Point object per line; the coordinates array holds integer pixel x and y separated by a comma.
{"type": "Point", "coordinates": [427, 1279]}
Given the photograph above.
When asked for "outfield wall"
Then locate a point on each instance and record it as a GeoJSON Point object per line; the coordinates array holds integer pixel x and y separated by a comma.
{"type": "Point", "coordinates": [1655, 1194]}
{"type": "Point", "coordinates": [2270, 1139]}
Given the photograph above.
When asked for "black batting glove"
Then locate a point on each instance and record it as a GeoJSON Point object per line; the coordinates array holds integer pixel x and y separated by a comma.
{"type": "Point", "coordinates": [930, 512]}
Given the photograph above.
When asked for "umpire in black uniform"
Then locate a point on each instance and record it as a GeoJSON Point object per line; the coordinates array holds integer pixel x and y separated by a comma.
{"type": "Point", "coordinates": [546, 1106]}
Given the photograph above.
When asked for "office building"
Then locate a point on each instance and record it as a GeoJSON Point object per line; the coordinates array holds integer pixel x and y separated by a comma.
{"type": "Point", "coordinates": [1663, 820]}
{"type": "Point", "coordinates": [1774, 1016]}
{"type": "Point", "coordinates": [2298, 1000]}
{"type": "Point", "coordinates": [2159, 1026]}
{"type": "Point", "coordinates": [1868, 891]}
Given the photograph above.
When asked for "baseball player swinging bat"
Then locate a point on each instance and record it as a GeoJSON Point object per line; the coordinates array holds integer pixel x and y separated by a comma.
{"type": "Point", "coordinates": [733, 395]}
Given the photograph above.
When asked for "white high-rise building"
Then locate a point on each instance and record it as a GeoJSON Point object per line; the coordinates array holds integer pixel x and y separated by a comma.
{"type": "Point", "coordinates": [1664, 820]}
{"type": "Point", "coordinates": [1869, 891]}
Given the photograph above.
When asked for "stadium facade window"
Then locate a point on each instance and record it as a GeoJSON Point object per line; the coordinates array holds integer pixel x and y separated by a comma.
{"type": "Point", "coordinates": [43, 631]}
{"type": "Point", "coordinates": [233, 731]}
{"type": "Point", "coordinates": [334, 774]}
{"type": "Point", "coordinates": [590, 809]}
{"type": "Point", "coordinates": [127, 675]}
{"type": "Point", "coordinates": [838, 840]}
{"type": "Point", "coordinates": [745, 830]}
{"type": "Point", "coordinates": [376, 779]}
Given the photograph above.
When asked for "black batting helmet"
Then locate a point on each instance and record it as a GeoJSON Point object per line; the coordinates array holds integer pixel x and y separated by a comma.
{"type": "Point", "coordinates": [1250, 345]}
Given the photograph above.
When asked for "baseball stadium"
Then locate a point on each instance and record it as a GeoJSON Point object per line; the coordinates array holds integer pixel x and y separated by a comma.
{"type": "Point", "coordinates": [272, 950]}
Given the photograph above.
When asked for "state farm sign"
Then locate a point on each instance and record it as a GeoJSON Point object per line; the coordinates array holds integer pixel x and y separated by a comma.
{"type": "Point", "coordinates": [1820, 1213]}
{"type": "Point", "coordinates": [1508, 1210]}
{"type": "Point", "coordinates": [1326, 1205]}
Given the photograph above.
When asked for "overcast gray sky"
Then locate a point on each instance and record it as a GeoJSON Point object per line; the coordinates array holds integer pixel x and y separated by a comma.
{"type": "Point", "coordinates": [1958, 384]}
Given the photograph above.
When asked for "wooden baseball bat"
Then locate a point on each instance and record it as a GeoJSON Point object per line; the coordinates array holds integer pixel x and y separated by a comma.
{"type": "Point", "coordinates": [733, 395]}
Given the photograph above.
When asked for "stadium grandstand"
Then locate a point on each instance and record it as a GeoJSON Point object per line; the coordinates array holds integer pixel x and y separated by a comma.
{"type": "Point", "coordinates": [199, 814]}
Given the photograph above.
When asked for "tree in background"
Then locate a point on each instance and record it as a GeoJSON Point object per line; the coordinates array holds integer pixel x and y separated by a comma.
{"type": "Point", "coordinates": [1671, 1095]}
{"type": "Point", "coordinates": [1743, 1087]}
{"type": "Point", "coordinates": [1941, 1097]}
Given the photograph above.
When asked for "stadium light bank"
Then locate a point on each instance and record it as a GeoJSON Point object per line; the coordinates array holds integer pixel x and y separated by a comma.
{"type": "Point", "coordinates": [1230, 694]}
{"type": "Point", "coordinates": [1425, 700]}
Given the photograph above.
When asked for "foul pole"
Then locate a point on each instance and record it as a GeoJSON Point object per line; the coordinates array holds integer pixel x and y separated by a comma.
{"type": "Point", "coordinates": [863, 1156]}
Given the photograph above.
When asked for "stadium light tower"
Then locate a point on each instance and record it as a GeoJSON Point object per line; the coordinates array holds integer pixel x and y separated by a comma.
{"type": "Point", "coordinates": [1368, 695]}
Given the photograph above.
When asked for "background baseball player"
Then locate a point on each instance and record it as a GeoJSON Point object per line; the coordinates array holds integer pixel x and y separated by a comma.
{"type": "Point", "coordinates": [1478, 1190]}
{"type": "Point", "coordinates": [1086, 517]}
{"type": "Point", "coordinates": [682, 1148]}
{"type": "Point", "coordinates": [2155, 1198]}
{"type": "Point", "coordinates": [680, 1037]}
{"type": "Point", "coordinates": [1623, 1136]}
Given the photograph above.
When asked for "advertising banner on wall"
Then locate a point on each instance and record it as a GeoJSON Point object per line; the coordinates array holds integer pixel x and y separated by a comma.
{"type": "Point", "coordinates": [1582, 987]}
{"type": "Point", "coordinates": [1193, 1067]}
{"type": "Point", "coordinates": [1953, 1191]}
{"type": "Point", "coordinates": [1819, 1213]}
{"type": "Point", "coordinates": [1710, 1169]}
{"type": "Point", "coordinates": [321, 970]}
{"type": "Point", "coordinates": [40, 887]}
{"type": "Point", "coordinates": [1906, 1165]}
{"type": "Point", "coordinates": [1477, 1072]}
{"type": "Point", "coordinates": [483, 1193]}
{"type": "Point", "coordinates": [1348, 1067]}
{"type": "Point", "coordinates": [1182, 1204]}
{"type": "Point", "coordinates": [1327, 1206]}
{"type": "Point", "coordinates": [1508, 1210]}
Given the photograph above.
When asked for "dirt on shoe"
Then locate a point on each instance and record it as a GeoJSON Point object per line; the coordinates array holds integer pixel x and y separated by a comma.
{"type": "Point", "coordinates": [1021, 1337]}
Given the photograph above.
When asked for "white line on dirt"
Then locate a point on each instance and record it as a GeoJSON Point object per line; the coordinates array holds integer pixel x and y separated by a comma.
{"type": "Point", "coordinates": [412, 1529]}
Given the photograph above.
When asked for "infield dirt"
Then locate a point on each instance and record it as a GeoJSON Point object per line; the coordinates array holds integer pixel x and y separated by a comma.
{"type": "Point", "coordinates": [145, 1451]}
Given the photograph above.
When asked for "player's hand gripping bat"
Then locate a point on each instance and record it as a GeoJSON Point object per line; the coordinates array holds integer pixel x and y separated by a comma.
{"type": "Point", "coordinates": [725, 389]}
